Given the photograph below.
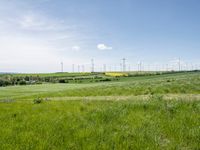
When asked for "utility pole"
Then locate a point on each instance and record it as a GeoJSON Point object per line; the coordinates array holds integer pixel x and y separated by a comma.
{"type": "Point", "coordinates": [92, 65]}
{"type": "Point", "coordinates": [61, 66]}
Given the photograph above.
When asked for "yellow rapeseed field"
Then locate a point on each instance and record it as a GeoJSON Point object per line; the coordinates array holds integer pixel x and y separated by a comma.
{"type": "Point", "coordinates": [116, 74]}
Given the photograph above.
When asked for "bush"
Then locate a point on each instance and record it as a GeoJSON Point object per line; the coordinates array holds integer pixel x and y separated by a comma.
{"type": "Point", "coordinates": [47, 79]}
{"type": "Point", "coordinates": [61, 81]}
{"type": "Point", "coordinates": [27, 78]}
{"type": "Point", "coordinates": [4, 83]}
{"type": "Point", "coordinates": [37, 100]}
{"type": "Point", "coordinates": [104, 80]}
{"type": "Point", "coordinates": [22, 82]}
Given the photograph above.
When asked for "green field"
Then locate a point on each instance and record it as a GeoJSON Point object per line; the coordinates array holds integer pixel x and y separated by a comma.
{"type": "Point", "coordinates": [135, 112]}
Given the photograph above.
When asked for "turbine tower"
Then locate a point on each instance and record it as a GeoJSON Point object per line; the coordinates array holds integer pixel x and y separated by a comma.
{"type": "Point", "coordinates": [92, 65]}
{"type": "Point", "coordinates": [124, 64]}
{"type": "Point", "coordinates": [104, 67]}
{"type": "Point", "coordinates": [83, 68]}
{"type": "Point", "coordinates": [61, 66]}
{"type": "Point", "coordinates": [179, 64]}
{"type": "Point", "coordinates": [139, 66]}
{"type": "Point", "coordinates": [73, 66]}
{"type": "Point", "coordinates": [78, 68]}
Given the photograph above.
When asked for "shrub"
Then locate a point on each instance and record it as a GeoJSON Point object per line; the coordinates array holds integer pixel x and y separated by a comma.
{"type": "Point", "coordinates": [47, 79]}
{"type": "Point", "coordinates": [22, 82]}
{"type": "Point", "coordinates": [168, 80]}
{"type": "Point", "coordinates": [61, 81]}
{"type": "Point", "coordinates": [27, 78]}
{"type": "Point", "coordinates": [106, 79]}
{"type": "Point", "coordinates": [37, 100]}
{"type": "Point", "coordinates": [4, 83]}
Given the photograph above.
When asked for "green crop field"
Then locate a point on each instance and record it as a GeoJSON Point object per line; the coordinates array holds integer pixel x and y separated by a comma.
{"type": "Point", "coordinates": [157, 111]}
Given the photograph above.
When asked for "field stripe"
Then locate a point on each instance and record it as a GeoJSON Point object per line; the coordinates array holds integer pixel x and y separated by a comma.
{"type": "Point", "coordinates": [139, 97]}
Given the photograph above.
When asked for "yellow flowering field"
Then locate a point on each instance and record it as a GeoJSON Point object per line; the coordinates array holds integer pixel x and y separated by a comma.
{"type": "Point", "coordinates": [116, 74]}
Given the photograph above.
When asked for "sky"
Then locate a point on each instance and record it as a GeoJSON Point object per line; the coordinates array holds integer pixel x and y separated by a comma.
{"type": "Point", "coordinates": [37, 35]}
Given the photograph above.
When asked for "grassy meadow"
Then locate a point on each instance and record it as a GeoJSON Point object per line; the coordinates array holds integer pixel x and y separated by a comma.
{"type": "Point", "coordinates": [135, 112]}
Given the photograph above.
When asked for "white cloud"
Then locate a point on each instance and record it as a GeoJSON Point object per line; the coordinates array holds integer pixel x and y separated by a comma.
{"type": "Point", "coordinates": [103, 47]}
{"type": "Point", "coordinates": [76, 48]}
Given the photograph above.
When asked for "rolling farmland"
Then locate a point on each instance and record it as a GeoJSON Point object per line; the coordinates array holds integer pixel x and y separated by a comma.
{"type": "Point", "coordinates": [99, 75]}
{"type": "Point", "coordinates": [159, 111]}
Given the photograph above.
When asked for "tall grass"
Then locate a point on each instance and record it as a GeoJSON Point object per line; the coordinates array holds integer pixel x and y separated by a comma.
{"type": "Point", "coordinates": [152, 124]}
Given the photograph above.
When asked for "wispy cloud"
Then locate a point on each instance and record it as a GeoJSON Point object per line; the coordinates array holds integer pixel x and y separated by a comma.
{"type": "Point", "coordinates": [38, 39]}
{"type": "Point", "coordinates": [40, 23]}
{"type": "Point", "coordinates": [103, 47]}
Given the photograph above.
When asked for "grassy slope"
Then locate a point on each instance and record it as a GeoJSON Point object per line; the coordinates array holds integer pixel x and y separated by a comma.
{"type": "Point", "coordinates": [185, 83]}
{"type": "Point", "coordinates": [85, 124]}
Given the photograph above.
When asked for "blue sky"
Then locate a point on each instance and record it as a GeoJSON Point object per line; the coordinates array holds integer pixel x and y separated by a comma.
{"type": "Point", "coordinates": [36, 35]}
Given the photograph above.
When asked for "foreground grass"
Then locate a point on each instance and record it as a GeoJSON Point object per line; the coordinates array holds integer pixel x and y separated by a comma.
{"type": "Point", "coordinates": [133, 124]}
